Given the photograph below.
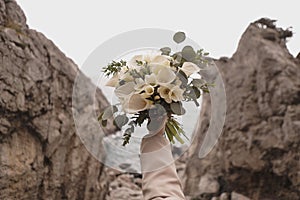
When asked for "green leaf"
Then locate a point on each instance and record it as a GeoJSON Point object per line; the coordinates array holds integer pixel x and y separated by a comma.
{"type": "Point", "coordinates": [169, 134]}
{"type": "Point", "coordinates": [178, 127]}
{"type": "Point", "coordinates": [177, 108]}
{"type": "Point", "coordinates": [198, 82]}
{"type": "Point", "coordinates": [166, 51]}
{"type": "Point", "coordinates": [173, 131]}
{"type": "Point", "coordinates": [177, 57]}
{"type": "Point", "coordinates": [121, 120]}
{"type": "Point", "coordinates": [179, 37]}
{"type": "Point", "coordinates": [197, 92]}
{"type": "Point", "coordinates": [182, 77]}
{"type": "Point", "coordinates": [108, 112]}
{"type": "Point", "coordinates": [188, 53]}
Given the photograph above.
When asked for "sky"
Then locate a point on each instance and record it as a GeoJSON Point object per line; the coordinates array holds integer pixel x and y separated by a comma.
{"type": "Point", "coordinates": [78, 27]}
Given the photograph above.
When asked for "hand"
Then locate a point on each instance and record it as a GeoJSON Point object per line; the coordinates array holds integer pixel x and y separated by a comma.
{"type": "Point", "coordinates": [157, 125]}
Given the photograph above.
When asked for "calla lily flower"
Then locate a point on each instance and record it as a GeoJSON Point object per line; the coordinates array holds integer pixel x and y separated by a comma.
{"type": "Point", "coordinates": [124, 90]}
{"type": "Point", "coordinates": [135, 103]}
{"type": "Point", "coordinates": [113, 81]}
{"type": "Point", "coordinates": [189, 68]}
{"type": "Point", "coordinates": [165, 76]}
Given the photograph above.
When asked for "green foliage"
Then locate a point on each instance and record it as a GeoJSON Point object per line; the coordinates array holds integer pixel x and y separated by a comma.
{"type": "Point", "coordinates": [188, 53]}
{"type": "Point", "coordinates": [166, 51]}
{"type": "Point", "coordinates": [106, 114]}
{"type": "Point", "coordinates": [114, 67]}
{"type": "Point", "coordinates": [121, 120]}
{"type": "Point", "coordinates": [174, 130]}
{"type": "Point", "coordinates": [127, 135]}
{"type": "Point", "coordinates": [177, 108]}
{"type": "Point", "coordinates": [179, 37]}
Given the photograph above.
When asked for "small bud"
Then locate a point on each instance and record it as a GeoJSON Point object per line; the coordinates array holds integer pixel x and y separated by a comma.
{"type": "Point", "coordinates": [157, 97]}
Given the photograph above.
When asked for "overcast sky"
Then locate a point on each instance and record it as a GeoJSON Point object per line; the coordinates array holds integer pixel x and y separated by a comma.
{"type": "Point", "coordinates": [78, 27]}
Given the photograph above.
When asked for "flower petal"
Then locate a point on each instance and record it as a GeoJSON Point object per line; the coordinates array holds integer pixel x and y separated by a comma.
{"type": "Point", "coordinates": [165, 76]}
{"type": "Point", "coordinates": [151, 79]}
{"type": "Point", "coordinates": [125, 90]}
{"type": "Point", "coordinates": [136, 103]}
{"type": "Point", "coordinates": [189, 68]}
{"type": "Point", "coordinates": [113, 81]}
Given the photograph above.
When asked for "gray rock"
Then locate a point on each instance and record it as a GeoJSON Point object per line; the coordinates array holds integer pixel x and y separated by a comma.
{"type": "Point", "coordinates": [259, 148]}
{"type": "Point", "coordinates": [224, 196]}
{"type": "Point", "coordinates": [208, 184]}
{"type": "Point", "coordinates": [41, 157]}
{"type": "Point", "coordinates": [237, 196]}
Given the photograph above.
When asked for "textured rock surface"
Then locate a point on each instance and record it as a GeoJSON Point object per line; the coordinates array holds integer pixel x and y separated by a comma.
{"type": "Point", "coordinates": [258, 152]}
{"type": "Point", "coordinates": [41, 157]}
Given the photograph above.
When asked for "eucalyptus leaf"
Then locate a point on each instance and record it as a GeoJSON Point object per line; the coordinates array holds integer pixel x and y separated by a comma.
{"type": "Point", "coordinates": [188, 53]}
{"type": "Point", "coordinates": [177, 108]}
{"type": "Point", "coordinates": [179, 37]}
{"type": "Point", "coordinates": [198, 82]}
{"type": "Point", "coordinates": [108, 112]}
{"type": "Point", "coordinates": [166, 51]}
{"type": "Point", "coordinates": [182, 77]}
{"type": "Point", "coordinates": [197, 92]}
{"type": "Point", "coordinates": [177, 57]}
{"type": "Point", "coordinates": [121, 120]}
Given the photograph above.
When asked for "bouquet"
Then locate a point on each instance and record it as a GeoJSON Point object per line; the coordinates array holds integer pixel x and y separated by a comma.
{"type": "Point", "coordinates": [152, 88]}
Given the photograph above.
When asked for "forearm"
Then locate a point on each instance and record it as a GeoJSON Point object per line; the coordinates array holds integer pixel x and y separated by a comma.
{"type": "Point", "coordinates": [160, 179]}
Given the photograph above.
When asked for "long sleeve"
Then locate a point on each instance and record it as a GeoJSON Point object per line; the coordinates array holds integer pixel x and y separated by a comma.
{"type": "Point", "coordinates": [160, 179]}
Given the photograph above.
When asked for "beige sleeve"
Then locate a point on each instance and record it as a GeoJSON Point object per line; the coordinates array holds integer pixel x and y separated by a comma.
{"type": "Point", "coordinates": [160, 179]}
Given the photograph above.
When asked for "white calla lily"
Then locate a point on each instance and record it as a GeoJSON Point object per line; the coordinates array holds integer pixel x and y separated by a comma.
{"type": "Point", "coordinates": [161, 59]}
{"type": "Point", "coordinates": [149, 89]}
{"type": "Point", "coordinates": [176, 93]}
{"type": "Point", "coordinates": [113, 81]}
{"type": "Point", "coordinates": [135, 103]}
{"type": "Point", "coordinates": [151, 80]}
{"type": "Point", "coordinates": [124, 90]}
{"type": "Point", "coordinates": [165, 76]}
{"type": "Point", "coordinates": [164, 93]}
{"type": "Point", "coordinates": [189, 68]}
{"type": "Point", "coordinates": [140, 83]}
{"type": "Point", "coordinates": [133, 62]}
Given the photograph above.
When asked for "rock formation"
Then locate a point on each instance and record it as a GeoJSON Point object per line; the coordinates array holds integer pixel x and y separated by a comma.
{"type": "Point", "coordinates": [258, 152]}
{"type": "Point", "coordinates": [41, 157]}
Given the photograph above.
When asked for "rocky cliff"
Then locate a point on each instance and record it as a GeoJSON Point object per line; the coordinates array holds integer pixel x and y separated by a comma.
{"type": "Point", "coordinates": [258, 152]}
{"type": "Point", "coordinates": [41, 157]}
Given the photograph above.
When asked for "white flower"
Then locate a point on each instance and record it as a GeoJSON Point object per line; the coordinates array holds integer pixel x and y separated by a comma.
{"type": "Point", "coordinates": [151, 59]}
{"type": "Point", "coordinates": [124, 90]}
{"type": "Point", "coordinates": [149, 89]}
{"type": "Point", "coordinates": [125, 75]}
{"type": "Point", "coordinates": [135, 103]}
{"type": "Point", "coordinates": [171, 93]}
{"type": "Point", "coordinates": [160, 59]}
{"type": "Point", "coordinates": [164, 93]}
{"type": "Point", "coordinates": [132, 64]}
{"type": "Point", "coordinates": [176, 93]}
{"type": "Point", "coordinates": [155, 68]}
{"type": "Point", "coordinates": [189, 68]}
{"type": "Point", "coordinates": [151, 80]}
{"type": "Point", "coordinates": [113, 81]}
{"type": "Point", "coordinates": [140, 83]}
{"type": "Point", "coordinates": [165, 76]}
